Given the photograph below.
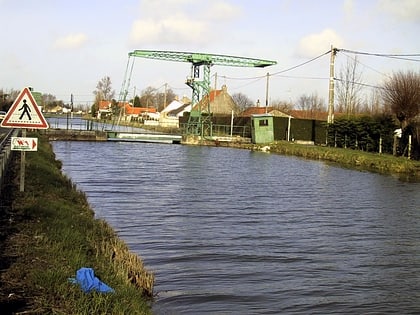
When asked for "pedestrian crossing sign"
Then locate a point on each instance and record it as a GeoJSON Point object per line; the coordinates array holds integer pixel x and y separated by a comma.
{"type": "Point", "coordinates": [24, 113]}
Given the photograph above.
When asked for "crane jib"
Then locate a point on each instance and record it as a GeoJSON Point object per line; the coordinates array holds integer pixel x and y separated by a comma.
{"type": "Point", "coordinates": [202, 58]}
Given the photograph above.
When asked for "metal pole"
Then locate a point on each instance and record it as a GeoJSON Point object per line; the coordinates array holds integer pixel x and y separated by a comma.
{"type": "Point", "coordinates": [22, 165]}
{"type": "Point", "coordinates": [266, 93]}
{"type": "Point", "coordinates": [394, 146]}
{"type": "Point", "coordinates": [164, 100]}
{"type": "Point", "coordinates": [231, 125]}
{"type": "Point", "coordinates": [409, 147]}
{"type": "Point", "coordinates": [331, 87]}
{"type": "Point", "coordinates": [380, 145]}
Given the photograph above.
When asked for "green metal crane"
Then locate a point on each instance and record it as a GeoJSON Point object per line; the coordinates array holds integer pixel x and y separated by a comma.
{"type": "Point", "coordinates": [199, 122]}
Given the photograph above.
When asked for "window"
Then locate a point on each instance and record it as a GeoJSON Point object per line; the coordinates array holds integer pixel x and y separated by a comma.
{"type": "Point", "coordinates": [263, 122]}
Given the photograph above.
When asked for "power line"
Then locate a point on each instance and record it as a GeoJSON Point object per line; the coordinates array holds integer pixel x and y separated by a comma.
{"type": "Point", "coordinates": [373, 69]}
{"type": "Point", "coordinates": [302, 77]}
{"type": "Point", "coordinates": [249, 83]}
{"type": "Point", "coordinates": [361, 84]}
{"type": "Point", "coordinates": [301, 64]}
{"type": "Point", "coordinates": [279, 72]}
{"type": "Point", "coordinates": [393, 56]}
{"type": "Point", "coordinates": [242, 78]}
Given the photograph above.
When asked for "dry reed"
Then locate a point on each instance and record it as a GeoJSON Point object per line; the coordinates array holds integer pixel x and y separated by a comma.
{"type": "Point", "coordinates": [127, 264]}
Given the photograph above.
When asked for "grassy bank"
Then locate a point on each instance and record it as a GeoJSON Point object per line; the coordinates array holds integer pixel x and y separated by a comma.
{"type": "Point", "coordinates": [381, 163]}
{"type": "Point", "coordinates": [48, 233]}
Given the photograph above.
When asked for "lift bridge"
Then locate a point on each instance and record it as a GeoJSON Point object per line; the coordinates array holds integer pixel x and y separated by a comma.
{"type": "Point", "coordinates": [199, 122]}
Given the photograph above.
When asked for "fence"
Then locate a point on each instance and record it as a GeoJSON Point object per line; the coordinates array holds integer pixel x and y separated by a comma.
{"type": "Point", "coordinates": [6, 154]}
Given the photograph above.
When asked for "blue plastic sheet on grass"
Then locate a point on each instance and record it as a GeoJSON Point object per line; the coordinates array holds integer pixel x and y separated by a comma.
{"type": "Point", "coordinates": [85, 278]}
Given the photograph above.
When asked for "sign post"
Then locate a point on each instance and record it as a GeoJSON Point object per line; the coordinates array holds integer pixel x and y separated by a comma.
{"type": "Point", "coordinates": [22, 166]}
{"type": "Point", "coordinates": [24, 113]}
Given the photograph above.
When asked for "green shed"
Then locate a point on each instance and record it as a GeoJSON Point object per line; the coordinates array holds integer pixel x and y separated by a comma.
{"type": "Point", "coordinates": [262, 128]}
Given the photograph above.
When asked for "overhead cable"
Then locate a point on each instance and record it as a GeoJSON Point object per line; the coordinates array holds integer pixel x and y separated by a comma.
{"type": "Point", "coordinates": [393, 56]}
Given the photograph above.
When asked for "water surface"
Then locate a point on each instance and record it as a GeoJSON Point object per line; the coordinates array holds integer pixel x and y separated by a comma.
{"type": "Point", "coordinates": [230, 231]}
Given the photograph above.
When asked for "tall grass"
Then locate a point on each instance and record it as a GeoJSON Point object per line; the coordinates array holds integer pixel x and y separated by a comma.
{"type": "Point", "coordinates": [382, 163]}
{"type": "Point", "coordinates": [58, 234]}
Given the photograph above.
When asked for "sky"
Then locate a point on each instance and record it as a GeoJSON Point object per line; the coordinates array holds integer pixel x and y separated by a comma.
{"type": "Point", "coordinates": [66, 47]}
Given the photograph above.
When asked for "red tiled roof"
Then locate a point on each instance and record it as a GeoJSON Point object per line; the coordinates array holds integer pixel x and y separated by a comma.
{"type": "Point", "coordinates": [104, 105]}
{"type": "Point", "coordinates": [130, 110]}
{"type": "Point", "coordinates": [256, 111]}
{"type": "Point", "coordinates": [214, 94]}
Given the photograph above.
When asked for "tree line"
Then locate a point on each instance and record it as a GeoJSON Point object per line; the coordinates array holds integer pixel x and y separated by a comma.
{"type": "Point", "coordinates": [398, 99]}
{"type": "Point", "coordinates": [48, 101]}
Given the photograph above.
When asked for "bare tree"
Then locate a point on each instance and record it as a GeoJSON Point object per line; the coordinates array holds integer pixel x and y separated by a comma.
{"type": "Point", "coordinates": [242, 101]}
{"type": "Point", "coordinates": [372, 104]}
{"type": "Point", "coordinates": [164, 98]}
{"type": "Point", "coordinates": [7, 98]}
{"type": "Point", "coordinates": [282, 106]}
{"type": "Point", "coordinates": [148, 97]}
{"type": "Point", "coordinates": [311, 104]}
{"type": "Point", "coordinates": [348, 87]}
{"type": "Point", "coordinates": [50, 101]}
{"type": "Point", "coordinates": [402, 94]}
{"type": "Point", "coordinates": [104, 90]}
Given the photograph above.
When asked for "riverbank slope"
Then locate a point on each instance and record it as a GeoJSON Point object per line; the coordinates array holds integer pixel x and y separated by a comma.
{"type": "Point", "coordinates": [401, 167]}
{"type": "Point", "coordinates": [48, 233]}
{"type": "Point", "coordinates": [360, 160]}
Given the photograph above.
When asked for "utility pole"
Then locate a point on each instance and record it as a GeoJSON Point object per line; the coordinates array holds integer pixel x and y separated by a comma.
{"type": "Point", "coordinates": [266, 93]}
{"type": "Point", "coordinates": [331, 89]}
{"type": "Point", "coordinates": [164, 100]}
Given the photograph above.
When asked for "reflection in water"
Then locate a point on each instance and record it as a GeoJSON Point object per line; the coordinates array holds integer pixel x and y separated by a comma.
{"type": "Point", "coordinates": [229, 231]}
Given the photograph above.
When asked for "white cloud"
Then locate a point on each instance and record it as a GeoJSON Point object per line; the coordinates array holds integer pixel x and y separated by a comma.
{"type": "Point", "coordinates": [408, 10]}
{"type": "Point", "coordinates": [180, 21]}
{"type": "Point", "coordinates": [70, 41]}
{"type": "Point", "coordinates": [348, 7]}
{"type": "Point", "coordinates": [222, 10]}
{"type": "Point", "coordinates": [167, 30]}
{"type": "Point", "coordinates": [316, 44]}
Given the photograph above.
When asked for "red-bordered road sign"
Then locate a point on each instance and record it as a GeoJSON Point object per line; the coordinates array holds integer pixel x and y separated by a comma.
{"type": "Point", "coordinates": [24, 113]}
{"type": "Point", "coordinates": [24, 144]}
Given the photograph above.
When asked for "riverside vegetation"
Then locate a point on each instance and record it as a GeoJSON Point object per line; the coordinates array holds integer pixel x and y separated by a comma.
{"type": "Point", "coordinates": [381, 163]}
{"type": "Point", "coordinates": [48, 233]}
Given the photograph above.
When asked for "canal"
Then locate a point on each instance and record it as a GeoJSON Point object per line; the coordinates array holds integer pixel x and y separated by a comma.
{"type": "Point", "coordinates": [230, 231]}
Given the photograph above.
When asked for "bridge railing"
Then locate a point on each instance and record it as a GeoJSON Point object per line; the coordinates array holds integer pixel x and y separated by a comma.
{"type": "Point", "coordinates": [224, 130]}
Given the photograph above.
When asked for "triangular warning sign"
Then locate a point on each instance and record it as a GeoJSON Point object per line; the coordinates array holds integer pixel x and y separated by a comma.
{"type": "Point", "coordinates": [24, 113]}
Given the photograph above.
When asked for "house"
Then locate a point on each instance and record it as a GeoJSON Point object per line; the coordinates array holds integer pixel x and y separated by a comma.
{"type": "Point", "coordinates": [169, 116]}
{"type": "Point", "coordinates": [56, 109]}
{"type": "Point", "coordinates": [177, 107]}
{"type": "Point", "coordinates": [104, 109]}
{"type": "Point", "coordinates": [221, 103]}
{"type": "Point", "coordinates": [129, 112]}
